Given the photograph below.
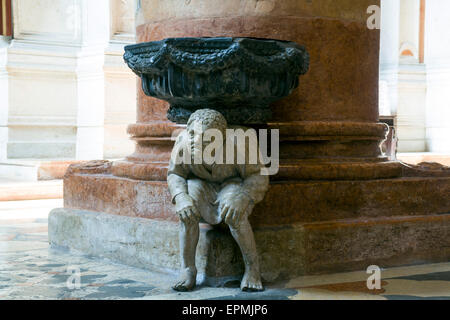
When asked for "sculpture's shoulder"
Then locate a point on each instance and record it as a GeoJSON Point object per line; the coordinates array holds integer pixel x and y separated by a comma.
{"type": "Point", "coordinates": [181, 143]}
{"type": "Point", "coordinates": [245, 143]}
{"type": "Point", "coordinates": [182, 137]}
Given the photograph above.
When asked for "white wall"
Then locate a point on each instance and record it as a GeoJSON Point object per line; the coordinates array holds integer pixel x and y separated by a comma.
{"type": "Point", "coordinates": [4, 108]}
{"type": "Point", "coordinates": [437, 59]}
{"type": "Point", "coordinates": [70, 93]}
{"type": "Point", "coordinates": [120, 81]}
{"type": "Point", "coordinates": [411, 109]}
{"type": "Point", "coordinates": [409, 26]}
{"type": "Point", "coordinates": [403, 78]}
{"type": "Point", "coordinates": [389, 38]}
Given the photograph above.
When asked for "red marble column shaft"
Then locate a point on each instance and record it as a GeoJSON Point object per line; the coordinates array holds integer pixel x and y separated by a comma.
{"type": "Point", "coordinates": [332, 115]}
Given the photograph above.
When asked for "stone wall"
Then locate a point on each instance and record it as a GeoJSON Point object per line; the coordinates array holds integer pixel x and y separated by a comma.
{"type": "Point", "coordinates": [3, 98]}
{"type": "Point", "coordinates": [416, 91]}
{"type": "Point", "coordinates": [70, 94]}
{"type": "Point", "coordinates": [437, 60]}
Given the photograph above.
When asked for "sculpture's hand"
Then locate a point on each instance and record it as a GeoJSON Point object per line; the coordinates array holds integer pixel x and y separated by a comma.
{"type": "Point", "coordinates": [186, 209]}
{"type": "Point", "coordinates": [232, 208]}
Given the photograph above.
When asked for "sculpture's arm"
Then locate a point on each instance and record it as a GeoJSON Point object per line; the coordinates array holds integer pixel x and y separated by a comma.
{"type": "Point", "coordinates": [177, 181]}
{"type": "Point", "coordinates": [178, 172]}
{"type": "Point", "coordinates": [184, 204]}
{"type": "Point", "coordinates": [254, 184]}
{"type": "Point", "coordinates": [177, 185]}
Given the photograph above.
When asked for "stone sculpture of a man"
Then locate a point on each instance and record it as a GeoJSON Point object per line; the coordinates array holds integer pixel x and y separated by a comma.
{"type": "Point", "coordinates": [214, 193]}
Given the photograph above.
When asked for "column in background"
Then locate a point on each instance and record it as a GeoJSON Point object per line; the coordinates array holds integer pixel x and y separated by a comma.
{"type": "Point", "coordinates": [437, 59]}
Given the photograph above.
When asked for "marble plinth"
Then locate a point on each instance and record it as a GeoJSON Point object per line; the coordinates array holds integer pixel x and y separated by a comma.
{"type": "Point", "coordinates": [286, 251]}
{"type": "Point", "coordinates": [96, 189]}
{"type": "Point", "coordinates": [301, 227]}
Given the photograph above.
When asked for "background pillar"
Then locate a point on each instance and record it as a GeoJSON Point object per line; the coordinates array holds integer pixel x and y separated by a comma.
{"type": "Point", "coordinates": [120, 81]}
{"type": "Point", "coordinates": [390, 16]}
{"type": "Point", "coordinates": [437, 59]}
{"type": "Point", "coordinates": [71, 94]}
{"type": "Point", "coordinates": [55, 65]}
{"type": "Point", "coordinates": [4, 105]}
{"type": "Point", "coordinates": [412, 83]}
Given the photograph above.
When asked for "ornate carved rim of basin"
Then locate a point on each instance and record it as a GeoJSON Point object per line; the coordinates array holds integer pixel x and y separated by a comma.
{"type": "Point", "coordinates": [239, 77]}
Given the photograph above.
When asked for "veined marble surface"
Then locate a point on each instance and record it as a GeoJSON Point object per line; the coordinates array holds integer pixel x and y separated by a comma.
{"type": "Point", "coordinates": [30, 269]}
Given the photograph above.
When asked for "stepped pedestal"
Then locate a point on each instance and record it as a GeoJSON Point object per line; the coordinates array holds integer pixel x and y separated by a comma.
{"type": "Point", "coordinates": [336, 203]}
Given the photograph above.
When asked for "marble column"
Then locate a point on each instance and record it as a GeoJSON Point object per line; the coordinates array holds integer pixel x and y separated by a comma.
{"type": "Point", "coordinates": [329, 122]}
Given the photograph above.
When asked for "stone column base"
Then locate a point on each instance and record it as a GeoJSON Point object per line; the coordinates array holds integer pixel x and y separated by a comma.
{"type": "Point", "coordinates": [285, 251]}
{"type": "Point", "coordinates": [301, 227]}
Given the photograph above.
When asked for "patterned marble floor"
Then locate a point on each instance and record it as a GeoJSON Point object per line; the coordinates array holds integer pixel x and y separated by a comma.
{"type": "Point", "coordinates": [30, 269]}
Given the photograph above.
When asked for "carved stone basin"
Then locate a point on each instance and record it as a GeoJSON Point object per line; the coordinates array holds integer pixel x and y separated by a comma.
{"type": "Point", "coordinates": [238, 77]}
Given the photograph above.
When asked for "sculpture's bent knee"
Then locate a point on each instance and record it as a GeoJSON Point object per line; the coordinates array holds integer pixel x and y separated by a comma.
{"type": "Point", "coordinates": [204, 195]}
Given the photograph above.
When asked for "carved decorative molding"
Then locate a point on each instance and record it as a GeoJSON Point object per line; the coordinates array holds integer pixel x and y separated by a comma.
{"type": "Point", "coordinates": [238, 77]}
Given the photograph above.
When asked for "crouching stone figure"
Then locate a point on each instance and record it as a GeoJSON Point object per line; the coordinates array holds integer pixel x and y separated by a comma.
{"type": "Point", "coordinates": [214, 193]}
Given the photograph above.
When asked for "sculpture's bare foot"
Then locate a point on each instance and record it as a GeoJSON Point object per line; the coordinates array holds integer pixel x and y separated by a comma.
{"type": "Point", "coordinates": [251, 281]}
{"type": "Point", "coordinates": [187, 280]}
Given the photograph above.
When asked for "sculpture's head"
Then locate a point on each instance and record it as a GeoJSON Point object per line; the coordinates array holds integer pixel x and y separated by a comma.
{"type": "Point", "coordinates": [199, 122]}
